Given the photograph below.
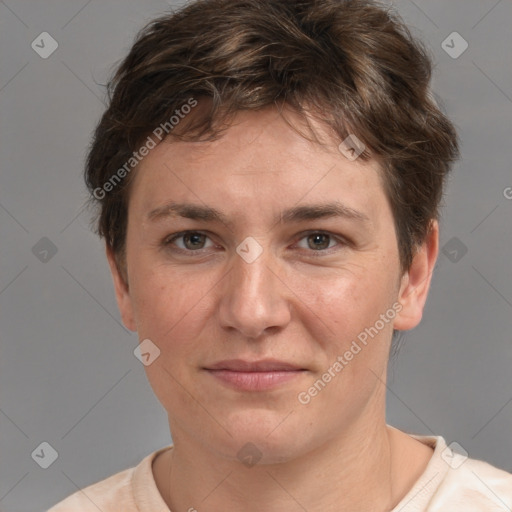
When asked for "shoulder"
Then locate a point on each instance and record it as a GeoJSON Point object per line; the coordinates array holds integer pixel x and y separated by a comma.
{"type": "Point", "coordinates": [107, 495]}
{"type": "Point", "coordinates": [454, 481]}
{"type": "Point", "coordinates": [476, 485]}
{"type": "Point", "coordinates": [129, 490]}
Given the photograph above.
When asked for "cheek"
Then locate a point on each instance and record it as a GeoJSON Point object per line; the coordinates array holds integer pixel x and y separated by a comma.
{"type": "Point", "coordinates": [165, 299]}
{"type": "Point", "coordinates": [355, 345]}
{"type": "Point", "coordinates": [345, 303]}
{"type": "Point", "coordinates": [169, 310]}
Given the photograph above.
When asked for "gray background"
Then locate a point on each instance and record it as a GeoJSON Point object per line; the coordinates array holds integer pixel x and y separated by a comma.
{"type": "Point", "coordinates": [68, 375]}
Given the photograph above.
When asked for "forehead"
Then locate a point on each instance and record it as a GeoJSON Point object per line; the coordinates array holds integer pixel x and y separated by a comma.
{"type": "Point", "coordinates": [258, 161]}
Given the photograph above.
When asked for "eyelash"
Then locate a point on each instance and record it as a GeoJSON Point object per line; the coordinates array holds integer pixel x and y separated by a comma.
{"type": "Point", "coordinates": [315, 253]}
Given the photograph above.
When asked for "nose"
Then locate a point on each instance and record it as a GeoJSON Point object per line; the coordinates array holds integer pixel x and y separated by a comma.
{"type": "Point", "coordinates": [254, 298]}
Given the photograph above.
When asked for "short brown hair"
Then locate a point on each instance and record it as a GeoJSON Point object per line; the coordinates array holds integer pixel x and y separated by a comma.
{"type": "Point", "coordinates": [353, 64]}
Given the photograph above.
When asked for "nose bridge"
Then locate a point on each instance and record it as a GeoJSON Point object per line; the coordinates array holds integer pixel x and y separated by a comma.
{"type": "Point", "coordinates": [252, 300]}
{"type": "Point", "coordinates": [252, 278]}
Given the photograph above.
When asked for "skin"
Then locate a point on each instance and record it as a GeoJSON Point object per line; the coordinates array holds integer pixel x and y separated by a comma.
{"type": "Point", "coordinates": [336, 452]}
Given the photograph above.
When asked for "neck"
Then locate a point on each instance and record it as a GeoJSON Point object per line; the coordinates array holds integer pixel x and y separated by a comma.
{"type": "Point", "coordinates": [363, 469]}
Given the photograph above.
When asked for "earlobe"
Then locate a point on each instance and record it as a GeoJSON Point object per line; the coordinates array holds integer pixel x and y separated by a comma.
{"type": "Point", "coordinates": [122, 293]}
{"type": "Point", "coordinates": [416, 281]}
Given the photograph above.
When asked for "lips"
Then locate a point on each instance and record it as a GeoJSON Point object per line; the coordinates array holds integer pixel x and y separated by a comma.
{"type": "Point", "coordinates": [267, 365]}
{"type": "Point", "coordinates": [254, 376]}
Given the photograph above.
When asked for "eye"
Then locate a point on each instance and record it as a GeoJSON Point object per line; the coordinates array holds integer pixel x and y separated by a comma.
{"type": "Point", "coordinates": [319, 241]}
{"type": "Point", "coordinates": [196, 241]}
{"type": "Point", "coordinates": [189, 241]}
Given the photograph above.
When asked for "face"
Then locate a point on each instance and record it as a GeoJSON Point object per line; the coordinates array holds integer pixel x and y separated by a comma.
{"type": "Point", "coordinates": [265, 268]}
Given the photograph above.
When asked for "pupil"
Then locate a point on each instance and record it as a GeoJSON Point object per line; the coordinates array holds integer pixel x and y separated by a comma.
{"type": "Point", "coordinates": [321, 245]}
{"type": "Point", "coordinates": [194, 239]}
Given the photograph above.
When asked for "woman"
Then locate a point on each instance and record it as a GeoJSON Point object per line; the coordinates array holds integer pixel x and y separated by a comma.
{"type": "Point", "coordinates": [268, 176]}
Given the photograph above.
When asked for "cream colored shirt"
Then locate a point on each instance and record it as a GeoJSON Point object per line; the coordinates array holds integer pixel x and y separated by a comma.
{"type": "Point", "coordinates": [450, 483]}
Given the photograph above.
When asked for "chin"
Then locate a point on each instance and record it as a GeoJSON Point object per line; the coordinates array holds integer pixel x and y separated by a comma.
{"type": "Point", "coordinates": [262, 435]}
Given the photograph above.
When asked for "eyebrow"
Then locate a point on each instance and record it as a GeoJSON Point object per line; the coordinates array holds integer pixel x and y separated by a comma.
{"type": "Point", "coordinates": [294, 214]}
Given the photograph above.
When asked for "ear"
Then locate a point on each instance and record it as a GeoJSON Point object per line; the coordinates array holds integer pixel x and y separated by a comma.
{"type": "Point", "coordinates": [122, 293]}
{"type": "Point", "coordinates": [416, 281]}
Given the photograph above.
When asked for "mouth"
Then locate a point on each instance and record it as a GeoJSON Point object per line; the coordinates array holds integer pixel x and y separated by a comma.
{"type": "Point", "coordinates": [254, 376]}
